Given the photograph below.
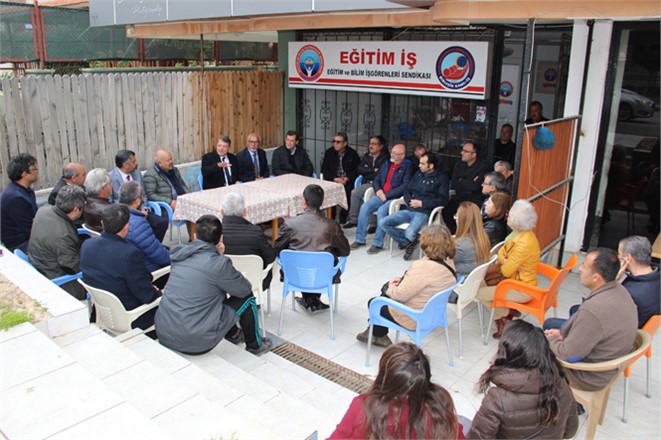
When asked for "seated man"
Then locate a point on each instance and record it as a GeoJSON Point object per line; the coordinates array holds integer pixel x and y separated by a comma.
{"type": "Point", "coordinates": [427, 189]}
{"type": "Point", "coordinates": [18, 203]}
{"type": "Point", "coordinates": [241, 237]}
{"type": "Point", "coordinates": [389, 184]}
{"type": "Point", "coordinates": [604, 326]}
{"type": "Point", "coordinates": [340, 165]}
{"type": "Point", "coordinates": [99, 190]}
{"type": "Point", "coordinates": [111, 263]}
{"type": "Point", "coordinates": [72, 174]}
{"type": "Point", "coordinates": [206, 298]}
{"type": "Point", "coordinates": [163, 183]}
{"type": "Point", "coordinates": [312, 231]}
{"type": "Point", "coordinates": [141, 234]}
{"type": "Point", "coordinates": [252, 161]}
{"type": "Point", "coordinates": [505, 168]}
{"type": "Point", "coordinates": [642, 280]}
{"type": "Point", "coordinates": [369, 167]}
{"type": "Point", "coordinates": [219, 167]}
{"type": "Point", "coordinates": [54, 242]}
{"type": "Point", "coordinates": [291, 158]}
{"type": "Point", "coordinates": [493, 181]}
{"type": "Point", "coordinates": [504, 148]}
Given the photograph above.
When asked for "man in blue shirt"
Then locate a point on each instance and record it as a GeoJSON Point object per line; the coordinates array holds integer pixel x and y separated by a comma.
{"type": "Point", "coordinates": [18, 203]}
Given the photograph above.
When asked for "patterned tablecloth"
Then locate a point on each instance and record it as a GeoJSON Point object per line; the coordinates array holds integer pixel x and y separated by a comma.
{"type": "Point", "coordinates": [266, 199]}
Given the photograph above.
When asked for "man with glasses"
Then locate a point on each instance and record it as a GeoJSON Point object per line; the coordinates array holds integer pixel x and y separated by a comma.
{"type": "Point", "coordinates": [466, 181]}
{"type": "Point", "coordinates": [252, 161]}
{"type": "Point", "coordinates": [389, 184]}
{"type": "Point", "coordinates": [18, 202]}
{"type": "Point", "coordinates": [340, 165]}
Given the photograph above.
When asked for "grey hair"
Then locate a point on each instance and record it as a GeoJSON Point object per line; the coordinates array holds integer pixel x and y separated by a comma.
{"type": "Point", "coordinates": [639, 248]}
{"type": "Point", "coordinates": [522, 216]}
{"type": "Point", "coordinates": [70, 197]}
{"type": "Point", "coordinates": [70, 170]}
{"type": "Point", "coordinates": [95, 181]}
{"type": "Point", "coordinates": [503, 163]}
{"type": "Point", "coordinates": [129, 192]}
{"type": "Point", "coordinates": [233, 204]}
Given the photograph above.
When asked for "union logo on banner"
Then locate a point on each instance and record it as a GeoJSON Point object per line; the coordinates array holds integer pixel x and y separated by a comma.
{"type": "Point", "coordinates": [506, 89]}
{"type": "Point", "coordinates": [309, 63]}
{"type": "Point", "coordinates": [455, 67]}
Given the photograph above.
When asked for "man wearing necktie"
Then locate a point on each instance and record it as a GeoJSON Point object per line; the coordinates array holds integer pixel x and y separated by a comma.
{"type": "Point", "coordinates": [253, 164]}
{"type": "Point", "coordinates": [219, 167]}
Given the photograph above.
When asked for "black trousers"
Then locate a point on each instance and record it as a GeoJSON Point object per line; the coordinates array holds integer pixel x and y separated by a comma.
{"type": "Point", "coordinates": [246, 308]}
{"type": "Point", "coordinates": [158, 224]}
{"type": "Point", "coordinates": [378, 330]}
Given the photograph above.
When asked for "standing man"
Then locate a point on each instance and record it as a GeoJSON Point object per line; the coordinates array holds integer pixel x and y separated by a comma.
{"type": "Point", "coordinates": [252, 161]}
{"type": "Point", "coordinates": [54, 242]}
{"type": "Point", "coordinates": [311, 231]}
{"type": "Point", "coordinates": [163, 183]}
{"type": "Point", "coordinates": [206, 298]}
{"type": "Point", "coordinates": [126, 170]}
{"type": "Point", "coordinates": [72, 174]}
{"type": "Point", "coordinates": [220, 167]}
{"type": "Point", "coordinates": [427, 189]}
{"type": "Point", "coordinates": [642, 280]}
{"type": "Point", "coordinates": [536, 113]}
{"type": "Point", "coordinates": [291, 158]}
{"type": "Point", "coordinates": [505, 149]}
{"type": "Point", "coordinates": [467, 178]}
{"type": "Point", "coordinates": [340, 165]}
{"type": "Point", "coordinates": [604, 326]}
{"type": "Point", "coordinates": [505, 168]}
{"type": "Point", "coordinates": [111, 263]}
{"type": "Point", "coordinates": [241, 237]}
{"type": "Point", "coordinates": [369, 167]}
{"type": "Point", "coordinates": [389, 184]}
{"type": "Point", "coordinates": [18, 203]}
{"type": "Point", "coordinates": [99, 190]}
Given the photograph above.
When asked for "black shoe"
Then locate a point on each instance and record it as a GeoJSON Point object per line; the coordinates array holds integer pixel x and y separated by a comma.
{"type": "Point", "coordinates": [318, 306]}
{"type": "Point", "coordinates": [409, 251]}
{"type": "Point", "coordinates": [303, 303]}
{"type": "Point", "coordinates": [236, 338]}
{"type": "Point", "coordinates": [371, 230]}
{"type": "Point", "coordinates": [374, 250]}
{"type": "Point", "coordinates": [401, 246]}
{"type": "Point", "coordinates": [349, 225]}
{"type": "Point", "coordinates": [264, 348]}
{"type": "Point", "coordinates": [356, 245]}
{"type": "Point", "coordinates": [579, 409]}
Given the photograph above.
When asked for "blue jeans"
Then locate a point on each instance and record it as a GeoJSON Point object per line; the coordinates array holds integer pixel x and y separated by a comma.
{"type": "Point", "coordinates": [557, 323]}
{"type": "Point", "coordinates": [416, 220]}
{"type": "Point", "coordinates": [381, 208]}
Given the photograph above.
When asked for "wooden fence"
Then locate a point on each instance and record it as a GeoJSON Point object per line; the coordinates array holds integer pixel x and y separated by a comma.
{"type": "Point", "coordinates": [88, 118]}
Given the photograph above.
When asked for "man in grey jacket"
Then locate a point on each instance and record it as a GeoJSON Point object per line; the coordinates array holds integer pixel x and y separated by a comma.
{"type": "Point", "coordinates": [205, 297]}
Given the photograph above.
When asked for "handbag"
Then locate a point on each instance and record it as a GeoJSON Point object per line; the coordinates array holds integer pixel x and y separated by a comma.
{"type": "Point", "coordinates": [493, 275]}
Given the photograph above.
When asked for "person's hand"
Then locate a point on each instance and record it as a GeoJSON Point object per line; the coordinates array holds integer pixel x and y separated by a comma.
{"type": "Point", "coordinates": [220, 247]}
{"type": "Point", "coordinates": [624, 265]}
{"type": "Point", "coordinates": [553, 333]}
{"type": "Point", "coordinates": [395, 281]}
{"type": "Point", "coordinates": [173, 204]}
{"type": "Point", "coordinates": [415, 203]}
{"type": "Point", "coordinates": [145, 212]}
{"type": "Point", "coordinates": [380, 194]}
{"type": "Point", "coordinates": [224, 164]}
{"type": "Point", "coordinates": [338, 180]}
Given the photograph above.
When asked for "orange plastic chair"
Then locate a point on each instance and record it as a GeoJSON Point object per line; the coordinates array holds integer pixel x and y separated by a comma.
{"type": "Point", "coordinates": [542, 299]}
{"type": "Point", "coordinates": [651, 326]}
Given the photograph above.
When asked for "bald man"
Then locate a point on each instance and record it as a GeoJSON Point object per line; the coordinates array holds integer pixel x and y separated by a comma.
{"type": "Point", "coordinates": [72, 174]}
{"type": "Point", "coordinates": [252, 161]}
{"type": "Point", "coordinates": [162, 181]}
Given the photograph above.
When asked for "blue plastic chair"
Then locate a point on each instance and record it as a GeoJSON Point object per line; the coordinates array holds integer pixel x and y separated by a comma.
{"type": "Point", "coordinates": [199, 181]}
{"type": "Point", "coordinates": [358, 182]}
{"type": "Point", "coordinates": [308, 272]}
{"type": "Point", "coordinates": [83, 231]}
{"type": "Point", "coordinates": [58, 281]}
{"type": "Point", "coordinates": [433, 315]}
{"type": "Point", "coordinates": [314, 175]}
{"type": "Point", "coordinates": [157, 208]}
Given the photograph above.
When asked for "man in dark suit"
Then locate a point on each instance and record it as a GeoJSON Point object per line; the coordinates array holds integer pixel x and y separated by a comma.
{"type": "Point", "coordinates": [252, 161]}
{"type": "Point", "coordinates": [340, 165]}
{"type": "Point", "coordinates": [113, 264]}
{"type": "Point", "coordinates": [291, 158]}
{"type": "Point", "coordinates": [220, 167]}
{"type": "Point", "coordinates": [241, 237]}
{"type": "Point", "coordinates": [72, 174]}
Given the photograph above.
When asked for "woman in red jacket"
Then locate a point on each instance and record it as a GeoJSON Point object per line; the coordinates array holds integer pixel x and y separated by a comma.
{"type": "Point", "coordinates": [403, 402]}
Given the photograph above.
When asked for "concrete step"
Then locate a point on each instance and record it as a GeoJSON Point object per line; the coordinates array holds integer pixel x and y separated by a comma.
{"type": "Point", "coordinates": [47, 393]}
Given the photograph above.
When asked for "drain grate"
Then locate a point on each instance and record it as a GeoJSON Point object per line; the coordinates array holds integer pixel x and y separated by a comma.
{"type": "Point", "coordinates": [323, 367]}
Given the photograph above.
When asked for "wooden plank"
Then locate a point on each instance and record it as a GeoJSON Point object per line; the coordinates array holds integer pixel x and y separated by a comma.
{"type": "Point", "coordinates": [60, 116]}
{"type": "Point", "coordinates": [4, 147]}
{"type": "Point", "coordinates": [11, 94]}
{"type": "Point", "coordinates": [69, 126]}
{"type": "Point", "coordinates": [98, 106]}
{"type": "Point", "coordinates": [19, 115]}
{"type": "Point", "coordinates": [149, 112]}
{"type": "Point", "coordinates": [83, 142]}
{"type": "Point", "coordinates": [158, 124]}
{"type": "Point", "coordinates": [135, 80]}
{"type": "Point", "coordinates": [50, 156]}
{"type": "Point", "coordinates": [87, 82]}
{"type": "Point", "coordinates": [179, 146]}
{"type": "Point", "coordinates": [109, 121]}
{"type": "Point", "coordinates": [188, 141]}
{"type": "Point", "coordinates": [129, 115]}
{"type": "Point", "coordinates": [168, 106]}
{"type": "Point", "coordinates": [119, 110]}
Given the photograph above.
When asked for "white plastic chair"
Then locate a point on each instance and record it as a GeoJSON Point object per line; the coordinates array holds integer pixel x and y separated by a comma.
{"type": "Point", "coordinates": [496, 247]}
{"type": "Point", "coordinates": [435, 218]}
{"type": "Point", "coordinates": [466, 293]}
{"type": "Point", "coordinates": [111, 315]}
{"type": "Point", "coordinates": [252, 268]}
{"type": "Point", "coordinates": [91, 231]}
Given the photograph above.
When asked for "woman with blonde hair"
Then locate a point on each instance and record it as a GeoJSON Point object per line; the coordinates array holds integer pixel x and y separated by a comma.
{"type": "Point", "coordinates": [423, 279]}
{"type": "Point", "coordinates": [471, 241]}
{"type": "Point", "coordinates": [402, 403]}
{"type": "Point", "coordinates": [517, 260]}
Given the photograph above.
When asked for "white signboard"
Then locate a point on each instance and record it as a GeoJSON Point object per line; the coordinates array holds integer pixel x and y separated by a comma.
{"type": "Point", "coordinates": [508, 97]}
{"type": "Point", "coordinates": [456, 69]}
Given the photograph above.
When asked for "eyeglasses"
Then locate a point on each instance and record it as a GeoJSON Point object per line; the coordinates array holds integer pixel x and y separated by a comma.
{"type": "Point", "coordinates": [335, 141]}
{"type": "Point", "coordinates": [252, 141]}
{"type": "Point", "coordinates": [467, 151]}
{"type": "Point", "coordinates": [34, 169]}
{"type": "Point", "coordinates": [486, 184]}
